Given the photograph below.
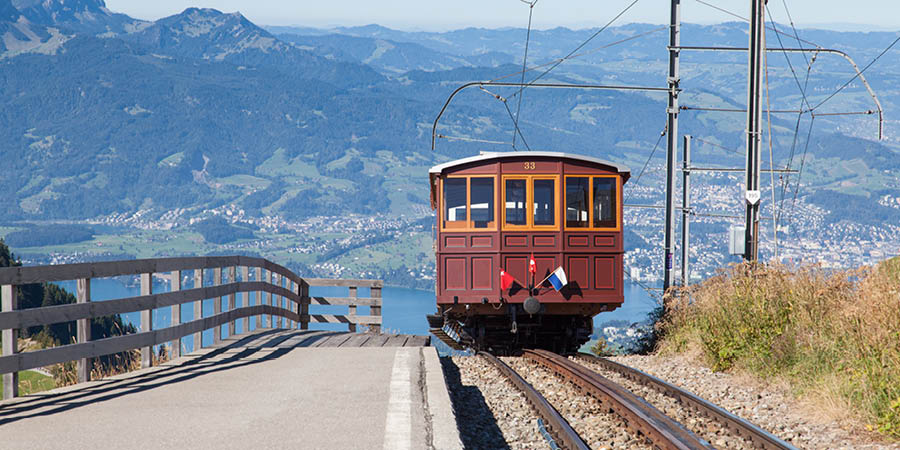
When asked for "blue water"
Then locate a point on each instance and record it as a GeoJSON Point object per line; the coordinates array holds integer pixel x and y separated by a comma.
{"type": "Point", "coordinates": [403, 309]}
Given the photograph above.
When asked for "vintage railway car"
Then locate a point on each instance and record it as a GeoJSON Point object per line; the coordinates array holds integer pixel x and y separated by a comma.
{"type": "Point", "coordinates": [501, 211]}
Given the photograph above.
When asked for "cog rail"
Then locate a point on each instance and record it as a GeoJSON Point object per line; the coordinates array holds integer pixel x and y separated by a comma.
{"type": "Point", "coordinates": [759, 437]}
{"type": "Point", "coordinates": [640, 416]}
{"type": "Point", "coordinates": [564, 435]}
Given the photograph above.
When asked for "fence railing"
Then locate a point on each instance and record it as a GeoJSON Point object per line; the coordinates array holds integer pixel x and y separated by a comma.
{"type": "Point", "coordinates": [281, 300]}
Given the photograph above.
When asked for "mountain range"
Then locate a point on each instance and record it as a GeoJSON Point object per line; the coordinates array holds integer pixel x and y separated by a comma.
{"type": "Point", "coordinates": [106, 114]}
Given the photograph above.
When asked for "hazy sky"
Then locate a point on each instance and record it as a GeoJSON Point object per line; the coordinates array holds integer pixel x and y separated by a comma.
{"type": "Point", "coordinates": [452, 14]}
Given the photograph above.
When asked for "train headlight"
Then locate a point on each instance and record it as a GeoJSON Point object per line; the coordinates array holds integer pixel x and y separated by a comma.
{"type": "Point", "coordinates": [531, 305]}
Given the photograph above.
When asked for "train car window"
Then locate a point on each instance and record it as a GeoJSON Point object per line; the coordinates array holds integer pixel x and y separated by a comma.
{"type": "Point", "coordinates": [455, 203]}
{"type": "Point", "coordinates": [605, 202]}
{"type": "Point", "coordinates": [482, 202]}
{"type": "Point", "coordinates": [515, 202]}
{"type": "Point", "coordinates": [544, 202]}
{"type": "Point", "coordinates": [577, 191]}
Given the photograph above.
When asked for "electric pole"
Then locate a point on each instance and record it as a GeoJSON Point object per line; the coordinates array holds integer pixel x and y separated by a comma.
{"type": "Point", "coordinates": [686, 213]}
{"type": "Point", "coordinates": [672, 141]}
{"type": "Point", "coordinates": [754, 117]}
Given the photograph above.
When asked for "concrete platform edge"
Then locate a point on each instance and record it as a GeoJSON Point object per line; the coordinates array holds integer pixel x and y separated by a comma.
{"type": "Point", "coordinates": [445, 434]}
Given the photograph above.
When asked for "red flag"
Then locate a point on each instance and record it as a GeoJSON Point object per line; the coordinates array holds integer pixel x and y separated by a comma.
{"type": "Point", "coordinates": [506, 280]}
{"type": "Point", "coordinates": [532, 266]}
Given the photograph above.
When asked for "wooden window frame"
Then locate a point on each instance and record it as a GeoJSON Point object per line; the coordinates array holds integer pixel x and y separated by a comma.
{"type": "Point", "coordinates": [470, 224]}
{"type": "Point", "coordinates": [529, 202]}
{"type": "Point", "coordinates": [590, 178]}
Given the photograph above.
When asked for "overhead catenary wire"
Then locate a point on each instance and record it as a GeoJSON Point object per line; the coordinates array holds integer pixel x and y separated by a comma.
{"type": "Point", "coordinates": [859, 74]}
{"type": "Point", "coordinates": [819, 48]}
{"type": "Point", "coordinates": [468, 139]}
{"type": "Point", "coordinates": [594, 50]}
{"type": "Point", "coordinates": [524, 66]}
{"type": "Point", "coordinates": [747, 20]}
{"type": "Point", "coordinates": [788, 60]}
{"type": "Point", "coordinates": [655, 147]}
{"type": "Point", "coordinates": [771, 150]}
{"type": "Point", "coordinates": [533, 82]}
{"type": "Point", "coordinates": [802, 164]}
{"type": "Point", "coordinates": [580, 46]}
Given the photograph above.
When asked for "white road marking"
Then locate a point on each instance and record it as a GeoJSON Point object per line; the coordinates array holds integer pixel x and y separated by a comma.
{"type": "Point", "coordinates": [398, 426]}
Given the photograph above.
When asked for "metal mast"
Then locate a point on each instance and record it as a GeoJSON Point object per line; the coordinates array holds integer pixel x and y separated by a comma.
{"type": "Point", "coordinates": [754, 119]}
{"type": "Point", "coordinates": [686, 213]}
{"type": "Point", "coordinates": [672, 141]}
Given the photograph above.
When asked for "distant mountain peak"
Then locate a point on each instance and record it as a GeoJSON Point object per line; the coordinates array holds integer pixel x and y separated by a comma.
{"type": "Point", "coordinates": [90, 16]}
{"type": "Point", "coordinates": [199, 21]}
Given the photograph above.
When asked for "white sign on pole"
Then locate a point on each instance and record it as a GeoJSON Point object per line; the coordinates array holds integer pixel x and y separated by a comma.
{"type": "Point", "coordinates": [753, 197]}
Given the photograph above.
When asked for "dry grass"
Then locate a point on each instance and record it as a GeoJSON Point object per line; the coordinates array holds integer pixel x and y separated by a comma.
{"type": "Point", "coordinates": [834, 336]}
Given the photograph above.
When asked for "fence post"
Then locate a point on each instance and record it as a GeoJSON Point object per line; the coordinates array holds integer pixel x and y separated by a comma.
{"type": "Point", "coordinates": [198, 309]}
{"type": "Point", "coordinates": [261, 320]}
{"type": "Point", "coordinates": [245, 296]}
{"type": "Point", "coordinates": [176, 313]}
{"type": "Point", "coordinates": [217, 305]}
{"type": "Point", "coordinates": [284, 301]}
{"type": "Point", "coordinates": [83, 330]}
{"type": "Point", "coordinates": [304, 305]}
{"type": "Point", "coordinates": [146, 320]}
{"type": "Point", "coordinates": [273, 279]}
{"type": "Point", "coordinates": [9, 302]}
{"type": "Point", "coordinates": [376, 310]}
{"type": "Point", "coordinates": [232, 298]}
{"type": "Point", "coordinates": [270, 319]}
{"type": "Point", "coordinates": [294, 306]}
{"type": "Point", "coordinates": [351, 310]}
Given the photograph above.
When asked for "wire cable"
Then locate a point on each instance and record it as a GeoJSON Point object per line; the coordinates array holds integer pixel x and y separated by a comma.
{"type": "Point", "coordinates": [771, 151]}
{"type": "Point", "coordinates": [516, 123]}
{"type": "Point", "coordinates": [802, 163]}
{"type": "Point", "coordinates": [651, 291]}
{"type": "Point", "coordinates": [788, 60]}
{"type": "Point", "coordinates": [594, 50]}
{"type": "Point", "coordinates": [468, 139]}
{"type": "Point", "coordinates": [889, 47]}
{"type": "Point", "coordinates": [524, 64]}
{"type": "Point", "coordinates": [580, 46]}
{"type": "Point", "coordinates": [747, 20]}
{"type": "Point", "coordinates": [638, 180]}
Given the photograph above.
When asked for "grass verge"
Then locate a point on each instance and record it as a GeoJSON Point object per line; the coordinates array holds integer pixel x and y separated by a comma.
{"type": "Point", "coordinates": [835, 336]}
{"type": "Point", "coordinates": [31, 382]}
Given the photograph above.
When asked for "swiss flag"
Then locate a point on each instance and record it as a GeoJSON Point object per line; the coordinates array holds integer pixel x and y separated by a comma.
{"type": "Point", "coordinates": [532, 266]}
{"type": "Point", "coordinates": [506, 280]}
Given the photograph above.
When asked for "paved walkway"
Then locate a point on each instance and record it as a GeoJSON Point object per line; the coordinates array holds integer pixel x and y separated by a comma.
{"type": "Point", "coordinates": [267, 389]}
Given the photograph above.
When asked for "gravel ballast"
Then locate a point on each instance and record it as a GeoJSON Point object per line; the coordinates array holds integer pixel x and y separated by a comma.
{"type": "Point", "coordinates": [599, 428]}
{"type": "Point", "coordinates": [491, 413]}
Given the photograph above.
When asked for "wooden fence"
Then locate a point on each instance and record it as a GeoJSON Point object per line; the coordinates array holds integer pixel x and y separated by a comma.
{"type": "Point", "coordinates": [281, 300]}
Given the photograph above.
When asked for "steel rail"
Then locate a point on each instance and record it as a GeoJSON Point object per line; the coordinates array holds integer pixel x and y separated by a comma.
{"type": "Point", "coordinates": [639, 415]}
{"type": "Point", "coordinates": [760, 438]}
{"type": "Point", "coordinates": [563, 433]}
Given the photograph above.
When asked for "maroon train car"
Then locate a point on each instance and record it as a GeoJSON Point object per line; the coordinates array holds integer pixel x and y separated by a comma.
{"type": "Point", "coordinates": [497, 211]}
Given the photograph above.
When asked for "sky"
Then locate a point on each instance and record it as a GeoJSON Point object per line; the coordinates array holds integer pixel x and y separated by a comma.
{"type": "Point", "coordinates": [435, 15]}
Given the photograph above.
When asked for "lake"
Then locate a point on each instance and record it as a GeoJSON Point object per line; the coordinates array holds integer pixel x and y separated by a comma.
{"type": "Point", "coordinates": [403, 309]}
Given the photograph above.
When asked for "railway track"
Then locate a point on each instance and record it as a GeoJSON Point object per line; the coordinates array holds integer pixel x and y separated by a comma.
{"type": "Point", "coordinates": [750, 434]}
{"type": "Point", "coordinates": [634, 397]}
{"type": "Point", "coordinates": [637, 415]}
{"type": "Point", "coordinates": [563, 436]}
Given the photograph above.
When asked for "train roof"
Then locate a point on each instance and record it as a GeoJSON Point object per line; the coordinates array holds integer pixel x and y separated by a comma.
{"type": "Point", "coordinates": [487, 156]}
{"type": "Point", "coordinates": [437, 170]}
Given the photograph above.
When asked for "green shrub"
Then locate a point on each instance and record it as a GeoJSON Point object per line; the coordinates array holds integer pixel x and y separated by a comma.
{"type": "Point", "coordinates": [831, 333]}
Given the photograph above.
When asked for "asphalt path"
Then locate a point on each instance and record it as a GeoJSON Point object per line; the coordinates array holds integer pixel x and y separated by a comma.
{"type": "Point", "coordinates": [261, 391]}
